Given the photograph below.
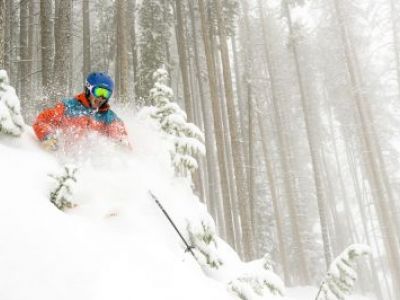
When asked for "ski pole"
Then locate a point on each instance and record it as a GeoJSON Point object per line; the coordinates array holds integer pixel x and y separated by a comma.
{"type": "Point", "coordinates": [188, 248]}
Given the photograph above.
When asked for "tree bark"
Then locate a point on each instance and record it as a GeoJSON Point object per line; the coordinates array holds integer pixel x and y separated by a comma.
{"type": "Point", "coordinates": [183, 58]}
{"type": "Point", "coordinates": [63, 48]}
{"type": "Point", "coordinates": [274, 197]}
{"type": "Point", "coordinates": [23, 51]}
{"type": "Point", "coordinates": [213, 192]}
{"type": "Point", "coordinates": [47, 43]}
{"type": "Point", "coordinates": [7, 35]}
{"type": "Point", "coordinates": [312, 144]}
{"type": "Point", "coordinates": [86, 39]}
{"type": "Point", "coordinates": [283, 149]}
{"type": "Point", "coordinates": [396, 40]}
{"type": "Point", "coordinates": [132, 32]}
{"type": "Point", "coordinates": [217, 114]}
{"type": "Point", "coordinates": [374, 170]}
{"type": "Point", "coordinates": [121, 71]}
{"type": "Point", "coordinates": [2, 32]}
{"type": "Point", "coordinates": [239, 171]}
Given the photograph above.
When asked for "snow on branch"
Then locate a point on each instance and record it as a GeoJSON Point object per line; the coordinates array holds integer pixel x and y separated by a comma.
{"type": "Point", "coordinates": [341, 275]}
{"type": "Point", "coordinates": [203, 238]}
{"type": "Point", "coordinates": [61, 194]}
{"type": "Point", "coordinates": [257, 281]}
{"type": "Point", "coordinates": [187, 140]}
{"type": "Point", "coordinates": [11, 121]}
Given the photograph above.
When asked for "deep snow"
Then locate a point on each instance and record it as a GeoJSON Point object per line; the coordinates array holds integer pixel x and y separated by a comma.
{"type": "Point", "coordinates": [115, 244]}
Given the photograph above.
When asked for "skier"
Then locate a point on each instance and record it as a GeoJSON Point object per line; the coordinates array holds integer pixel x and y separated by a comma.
{"type": "Point", "coordinates": [88, 111]}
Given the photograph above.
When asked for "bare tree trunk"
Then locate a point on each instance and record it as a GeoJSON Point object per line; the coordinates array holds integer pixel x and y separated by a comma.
{"type": "Point", "coordinates": [362, 203]}
{"type": "Point", "coordinates": [349, 214]}
{"type": "Point", "coordinates": [312, 144]}
{"type": "Point", "coordinates": [121, 67]}
{"type": "Point", "coordinates": [86, 39]}
{"type": "Point", "coordinates": [132, 31]}
{"type": "Point", "coordinates": [274, 198]}
{"type": "Point", "coordinates": [47, 43]}
{"type": "Point", "coordinates": [228, 148]}
{"type": "Point", "coordinates": [364, 218]}
{"type": "Point", "coordinates": [239, 90]}
{"type": "Point", "coordinates": [250, 156]}
{"type": "Point", "coordinates": [7, 35]}
{"type": "Point", "coordinates": [2, 32]}
{"type": "Point", "coordinates": [14, 42]}
{"type": "Point", "coordinates": [32, 12]}
{"type": "Point", "coordinates": [396, 41]}
{"type": "Point", "coordinates": [213, 194]}
{"type": "Point", "coordinates": [375, 171]}
{"type": "Point", "coordinates": [23, 51]}
{"type": "Point", "coordinates": [240, 175]}
{"type": "Point", "coordinates": [283, 149]}
{"type": "Point", "coordinates": [183, 58]}
{"type": "Point", "coordinates": [217, 114]}
{"type": "Point", "coordinates": [63, 49]}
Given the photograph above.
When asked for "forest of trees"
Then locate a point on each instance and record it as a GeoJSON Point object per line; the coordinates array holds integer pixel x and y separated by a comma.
{"type": "Point", "coordinates": [299, 102]}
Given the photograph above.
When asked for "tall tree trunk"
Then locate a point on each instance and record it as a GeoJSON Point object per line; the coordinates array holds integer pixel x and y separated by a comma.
{"type": "Point", "coordinates": [250, 156]}
{"type": "Point", "coordinates": [374, 170]}
{"type": "Point", "coordinates": [2, 31]}
{"type": "Point", "coordinates": [31, 32]}
{"type": "Point", "coordinates": [283, 149]}
{"type": "Point", "coordinates": [86, 39]}
{"type": "Point", "coordinates": [312, 144]}
{"type": "Point", "coordinates": [238, 87]}
{"type": "Point", "coordinates": [274, 197]}
{"type": "Point", "coordinates": [121, 69]}
{"type": "Point", "coordinates": [183, 58]}
{"type": "Point", "coordinates": [23, 51]}
{"type": "Point", "coordinates": [63, 47]}
{"type": "Point", "coordinates": [239, 171]}
{"type": "Point", "coordinates": [47, 43]}
{"type": "Point", "coordinates": [396, 40]}
{"type": "Point", "coordinates": [132, 32]}
{"type": "Point", "coordinates": [7, 35]}
{"type": "Point", "coordinates": [228, 147]}
{"type": "Point", "coordinates": [213, 193]}
{"type": "Point", "coordinates": [217, 117]}
{"type": "Point", "coordinates": [362, 204]}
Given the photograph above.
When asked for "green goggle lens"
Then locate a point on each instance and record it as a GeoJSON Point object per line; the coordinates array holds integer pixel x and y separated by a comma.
{"type": "Point", "coordinates": [101, 92]}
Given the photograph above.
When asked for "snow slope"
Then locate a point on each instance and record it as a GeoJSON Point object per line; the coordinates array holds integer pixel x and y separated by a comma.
{"type": "Point", "coordinates": [115, 244]}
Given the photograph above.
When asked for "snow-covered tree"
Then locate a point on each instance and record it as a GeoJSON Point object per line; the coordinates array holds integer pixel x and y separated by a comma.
{"type": "Point", "coordinates": [61, 194]}
{"type": "Point", "coordinates": [187, 138]}
{"type": "Point", "coordinates": [341, 274]}
{"type": "Point", "coordinates": [257, 281]}
{"type": "Point", "coordinates": [11, 120]}
{"type": "Point", "coordinates": [202, 237]}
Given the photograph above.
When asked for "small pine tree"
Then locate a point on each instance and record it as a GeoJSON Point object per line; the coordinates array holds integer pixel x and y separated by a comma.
{"type": "Point", "coordinates": [61, 194]}
{"type": "Point", "coordinates": [187, 138]}
{"type": "Point", "coordinates": [341, 274]}
{"type": "Point", "coordinates": [257, 281]}
{"type": "Point", "coordinates": [11, 120]}
{"type": "Point", "coordinates": [202, 237]}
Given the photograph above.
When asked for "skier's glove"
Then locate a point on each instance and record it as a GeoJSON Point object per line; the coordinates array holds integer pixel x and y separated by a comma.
{"type": "Point", "coordinates": [50, 143]}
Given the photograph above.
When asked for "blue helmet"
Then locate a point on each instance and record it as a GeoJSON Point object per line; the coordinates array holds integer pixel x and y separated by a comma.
{"type": "Point", "coordinates": [99, 79]}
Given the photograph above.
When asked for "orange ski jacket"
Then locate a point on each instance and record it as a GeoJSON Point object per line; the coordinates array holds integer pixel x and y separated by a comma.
{"type": "Point", "coordinates": [75, 117]}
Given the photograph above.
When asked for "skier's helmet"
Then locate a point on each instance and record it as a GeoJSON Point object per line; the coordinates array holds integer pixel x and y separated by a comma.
{"type": "Point", "coordinates": [99, 84]}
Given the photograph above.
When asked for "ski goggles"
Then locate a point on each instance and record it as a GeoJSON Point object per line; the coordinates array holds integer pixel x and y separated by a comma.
{"type": "Point", "coordinates": [98, 92]}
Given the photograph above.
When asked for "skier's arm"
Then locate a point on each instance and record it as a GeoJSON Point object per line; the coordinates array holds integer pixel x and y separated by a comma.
{"type": "Point", "coordinates": [47, 122]}
{"type": "Point", "coordinates": [117, 132]}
